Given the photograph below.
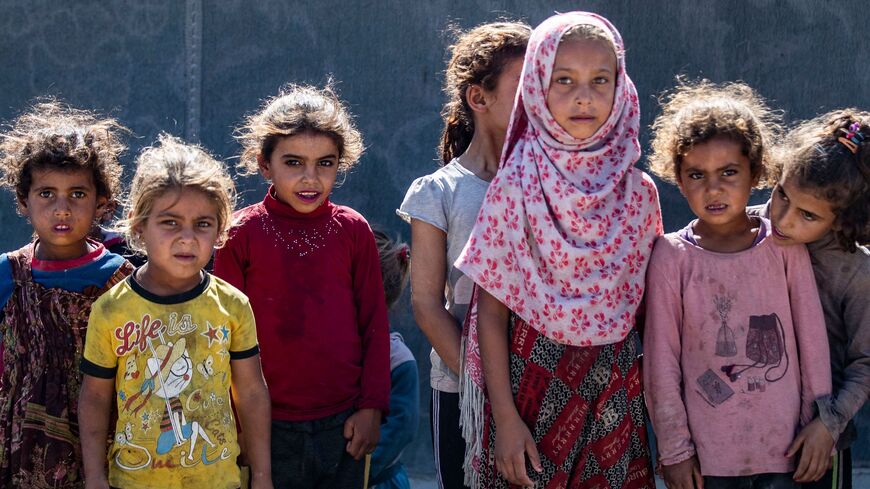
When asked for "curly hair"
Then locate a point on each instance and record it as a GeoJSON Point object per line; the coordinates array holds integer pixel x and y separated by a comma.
{"type": "Point", "coordinates": [395, 259]}
{"type": "Point", "coordinates": [698, 112]}
{"type": "Point", "coordinates": [478, 57]}
{"type": "Point", "coordinates": [52, 135]}
{"type": "Point", "coordinates": [299, 109]}
{"type": "Point", "coordinates": [812, 154]}
{"type": "Point", "coordinates": [173, 166]}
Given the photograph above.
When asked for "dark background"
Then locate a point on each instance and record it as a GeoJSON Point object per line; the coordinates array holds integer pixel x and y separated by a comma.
{"type": "Point", "coordinates": [195, 68]}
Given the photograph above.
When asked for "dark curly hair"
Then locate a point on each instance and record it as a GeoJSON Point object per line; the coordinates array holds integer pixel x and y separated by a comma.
{"type": "Point", "coordinates": [478, 57]}
{"type": "Point", "coordinates": [694, 113]}
{"type": "Point", "coordinates": [812, 154]}
{"type": "Point", "coordinates": [299, 109]}
{"type": "Point", "coordinates": [53, 135]}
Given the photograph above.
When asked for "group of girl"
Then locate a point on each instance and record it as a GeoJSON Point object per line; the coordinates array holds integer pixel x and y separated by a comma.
{"type": "Point", "coordinates": [547, 241]}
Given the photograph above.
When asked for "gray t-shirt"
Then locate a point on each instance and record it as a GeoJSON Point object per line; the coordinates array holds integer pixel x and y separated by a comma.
{"type": "Point", "coordinates": [448, 199]}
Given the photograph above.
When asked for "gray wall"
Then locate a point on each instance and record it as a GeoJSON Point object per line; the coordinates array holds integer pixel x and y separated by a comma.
{"type": "Point", "coordinates": [194, 68]}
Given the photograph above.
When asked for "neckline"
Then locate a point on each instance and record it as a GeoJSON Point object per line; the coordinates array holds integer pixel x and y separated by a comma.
{"type": "Point", "coordinates": [762, 236]}
{"type": "Point", "coordinates": [62, 265]}
{"type": "Point", "coordinates": [465, 171]}
{"type": "Point", "coordinates": [179, 298]}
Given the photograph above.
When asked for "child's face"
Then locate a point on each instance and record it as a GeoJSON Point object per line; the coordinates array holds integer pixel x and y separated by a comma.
{"type": "Point", "coordinates": [582, 86]}
{"type": "Point", "coordinates": [62, 207]}
{"type": "Point", "coordinates": [302, 169]}
{"type": "Point", "coordinates": [716, 179]}
{"type": "Point", "coordinates": [179, 237]}
{"type": "Point", "coordinates": [504, 94]}
{"type": "Point", "coordinates": [798, 216]}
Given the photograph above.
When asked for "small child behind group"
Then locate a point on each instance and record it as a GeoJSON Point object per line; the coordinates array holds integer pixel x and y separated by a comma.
{"type": "Point", "coordinates": [735, 349]}
{"type": "Point", "coordinates": [400, 426]}
{"type": "Point", "coordinates": [62, 164]}
{"type": "Point", "coordinates": [822, 200]}
{"type": "Point", "coordinates": [311, 270]}
{"type": "Point", "coordinates": [173, 347]}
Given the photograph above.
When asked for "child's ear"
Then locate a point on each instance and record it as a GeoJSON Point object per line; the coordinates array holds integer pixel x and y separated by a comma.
{"type": "Point", "coordinates": [476, 98]}
{"type": "Point", "coordinates": [22, 207]}
{"type": "Point", "coordinates": [102, 208]}
{"type": "Point", "coordinates": [263, 163]}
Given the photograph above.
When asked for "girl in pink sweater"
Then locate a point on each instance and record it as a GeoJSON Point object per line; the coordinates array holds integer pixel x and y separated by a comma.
{"type": "Point", "coordinates": [735, 344]}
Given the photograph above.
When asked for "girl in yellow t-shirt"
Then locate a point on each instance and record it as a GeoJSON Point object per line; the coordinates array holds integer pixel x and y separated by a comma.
{"type": "Point", "coordinates": [173, 343]}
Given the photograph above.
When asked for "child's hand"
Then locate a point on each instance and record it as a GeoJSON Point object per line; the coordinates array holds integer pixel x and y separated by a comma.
{"type": "Point", "coordinates": [362, 430]}
{"type": "Point", "coordinates": [513, 441]}
{"type": "Point", "coordinates": [815, 454]}
{"type": "Point", "coordinates": [684, 475]}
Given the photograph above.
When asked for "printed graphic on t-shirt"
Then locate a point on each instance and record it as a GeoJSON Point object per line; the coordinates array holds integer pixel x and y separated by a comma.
{"type": "Point", "coordinates": [165, 427]}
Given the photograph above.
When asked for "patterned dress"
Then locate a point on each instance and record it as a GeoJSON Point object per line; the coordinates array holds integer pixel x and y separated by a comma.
{"type": "Point", "coordinates": [43, 336]}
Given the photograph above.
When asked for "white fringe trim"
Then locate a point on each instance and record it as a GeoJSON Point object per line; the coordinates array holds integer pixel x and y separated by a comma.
{"type": "Point", "coordinates": [471, 405]}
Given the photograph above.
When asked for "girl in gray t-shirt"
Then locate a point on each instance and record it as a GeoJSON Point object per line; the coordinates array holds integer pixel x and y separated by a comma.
{"type": "Point", "coordinates": [481, 83]}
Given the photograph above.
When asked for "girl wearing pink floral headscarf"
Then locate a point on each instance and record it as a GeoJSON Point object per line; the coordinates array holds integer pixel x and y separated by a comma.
{"type": "Point", "coordinates": [559, 253]}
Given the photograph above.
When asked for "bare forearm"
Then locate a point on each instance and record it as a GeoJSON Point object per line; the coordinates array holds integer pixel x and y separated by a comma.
{"type": "Point", "coordinates": [442, 331]}
{"type": "Point", "coordinates": [255, 415]}
{"type": "Point", "coordinates": [493, 334]}
{"type": "Point", "coordinates": [94, 413]}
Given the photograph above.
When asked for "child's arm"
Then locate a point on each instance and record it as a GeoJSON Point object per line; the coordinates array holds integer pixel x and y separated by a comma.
{"type": "Point", "coordinates": [401, 425]}
{"type": "Point", "coordinates": [95, 404]}
{"type": "Point", "coordinates": [855, 388]}
{"type": "Point", "coordinates": [813, 441]}
{"type": "Point", "coordinates": [513, 439]}
{"type": "Point", "coordinates": [428, 278]}
{"type": "Point", "coordinates": [662, 372]}
{"type": "Point", "coordinates": [253, 406]}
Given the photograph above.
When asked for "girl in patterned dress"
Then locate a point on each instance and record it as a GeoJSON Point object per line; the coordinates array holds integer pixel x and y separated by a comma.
{"type": "Point", "coordinates": [558, 254]}
{"type": "Point", "coordinates": [62, 164]}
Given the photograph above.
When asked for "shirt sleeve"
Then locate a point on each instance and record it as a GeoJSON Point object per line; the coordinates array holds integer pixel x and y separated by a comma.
{"type": "Point", "coordinates": [855, 389]}
{"type": "Point", "coordinates": [99, 358]}
{"type": "Point", "coordinates": [243, 339]}
{"type": "Point", "coordinates": [810, 331]}
{"type": "Point", "coordinates": [372, 321]}
{"type": "Point", "coordinates": [6, 287]}
{"type": "Point", "coordinates": [662, 372]}
{"type": "Point", "coordinates": [401, 425]}
{"type": "Point", "coordinates": [425, 201]}
{"type": "Point", "coordinates": [230, 260]}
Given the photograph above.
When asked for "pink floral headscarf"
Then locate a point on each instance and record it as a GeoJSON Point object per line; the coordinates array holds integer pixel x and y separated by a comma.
{"type": "Point", "coordinates": [567, 226]}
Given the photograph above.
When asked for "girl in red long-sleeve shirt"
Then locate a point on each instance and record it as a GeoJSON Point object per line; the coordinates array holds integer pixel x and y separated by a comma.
{"type": "Point", "coordinates": [311, 271]}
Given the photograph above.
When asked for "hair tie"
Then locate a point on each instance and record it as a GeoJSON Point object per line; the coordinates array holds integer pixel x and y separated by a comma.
{"type": "Point", "coordinates": [853, 137]}
{"type": "Point", "coordinates": [404, 253]}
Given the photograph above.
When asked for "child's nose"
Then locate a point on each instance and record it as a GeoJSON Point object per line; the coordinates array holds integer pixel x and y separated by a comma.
{"type": "Point", "coordinates": [61, 208]}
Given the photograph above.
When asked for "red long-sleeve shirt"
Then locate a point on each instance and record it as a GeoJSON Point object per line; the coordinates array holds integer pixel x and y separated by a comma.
{"type": "Point", "coordinates": [314, 282]}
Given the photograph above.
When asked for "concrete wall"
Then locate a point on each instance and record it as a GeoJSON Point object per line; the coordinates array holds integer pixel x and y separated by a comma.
{"type": "Point", "coordinates": [195, 68]}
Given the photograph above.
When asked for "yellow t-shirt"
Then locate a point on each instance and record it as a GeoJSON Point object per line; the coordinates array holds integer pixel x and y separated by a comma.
{"type": "Point", "coordinates": [170, 358]}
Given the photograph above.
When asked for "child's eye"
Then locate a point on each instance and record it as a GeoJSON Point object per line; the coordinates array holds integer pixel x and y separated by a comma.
{"type": "Point", "coordinates": [78, 194]}
{"type": "Point", "coordinates": [326, 163]}
{"type": "Point", "coordinates": [204, 224]}
{"type": "Point", "coordinates": [46, 194]}
{"type": "Point", "coordinates": [729, 173]}
{"type": "Point", "coordinates": [601, 80]}
{"type": "Point", "coordinates": [563, 80]}
{"type": "Point", "coordinates": [696, 175]}
{"type": "Point", "coordinates": [781, 193]}
{"type": "Point", "coordinates": [808, 216]}
{"type": "Point", "coordinates": [168, 222]}
{"type": "Point", "coordinates": [292, 162]}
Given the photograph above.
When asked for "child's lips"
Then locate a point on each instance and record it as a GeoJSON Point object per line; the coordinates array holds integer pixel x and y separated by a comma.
{"type": "Point", "coordinates": [716, 208]}
{"type": "Point", "coordinates": [779, 234]}
{"type": "Point", "coordinates": [583, 118]}
{"type": "Point", "coordinates": [308, 196]}
{"type": "Point", "coordinates": [62, 228]}
{"type": "Point", "coordinates": [185, 257]}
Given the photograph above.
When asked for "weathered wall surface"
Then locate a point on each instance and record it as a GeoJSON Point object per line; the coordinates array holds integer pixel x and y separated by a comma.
{"type": "Point", "coordinates": [195, 68]}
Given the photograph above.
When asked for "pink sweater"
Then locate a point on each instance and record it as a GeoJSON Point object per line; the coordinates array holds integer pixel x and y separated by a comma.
{"type": "Point", "coordinates": [736, 353]}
